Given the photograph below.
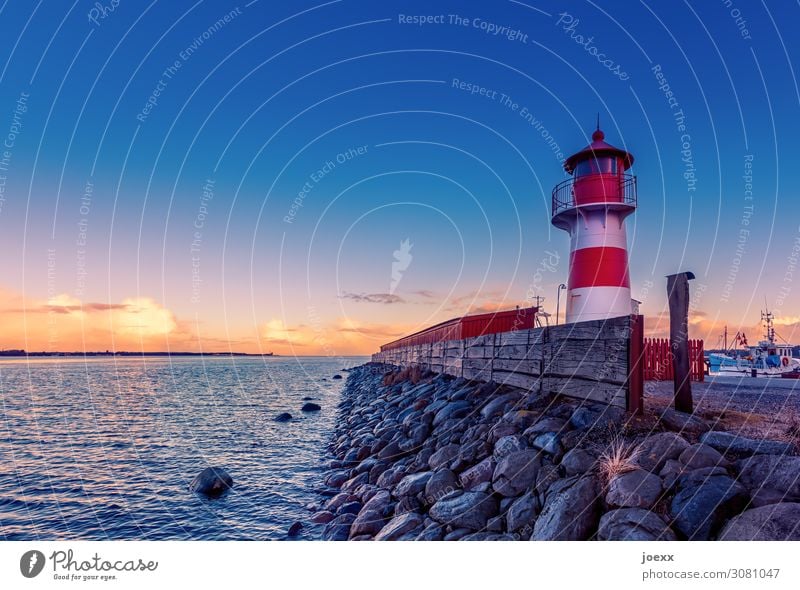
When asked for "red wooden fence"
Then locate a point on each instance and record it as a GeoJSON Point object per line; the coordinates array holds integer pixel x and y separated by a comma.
{"type": "Point", "coordinates": [658, 360]}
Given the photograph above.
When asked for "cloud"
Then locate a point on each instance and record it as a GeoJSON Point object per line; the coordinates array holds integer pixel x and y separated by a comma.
{"type": "Point", "coordinates": [384, 298]}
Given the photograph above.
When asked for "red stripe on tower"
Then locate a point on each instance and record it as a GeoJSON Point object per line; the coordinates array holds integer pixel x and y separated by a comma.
{"type": "Point", "coordinates": [598, 267]}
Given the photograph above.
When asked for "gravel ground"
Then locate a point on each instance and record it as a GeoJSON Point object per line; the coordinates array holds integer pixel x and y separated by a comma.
{"type": "Point", "coordinates": [761, 408]}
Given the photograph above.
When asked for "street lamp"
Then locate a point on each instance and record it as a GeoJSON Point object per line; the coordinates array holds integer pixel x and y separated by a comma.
{"type": "Point", "coordinates": [558, 299]}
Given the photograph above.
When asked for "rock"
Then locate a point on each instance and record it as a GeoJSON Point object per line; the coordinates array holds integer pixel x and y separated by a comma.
{"type": "Point", "coordinates": [507, 445]}
{"type": "Point", "coordinates": [470, 454]}
{"type": "Point", "coordinates": [310, 407]}
{"type": "Point", "coordinates": [671, 471]}
{"type": "Point", "coordinates": [586, 417]}
{"type": "Point", "coordinates": [547, 425]}
{"type": "Point", "coordinates": [399, 526]}
{"type": "Point", "coordinates": [500, 430]}
{"type": "Point", "coordinates": [380, 502]}
{"type": "Point", "coordinates": [480, 473]}
{"type": "Point", "coordinates": [570, 512]}
{"type": "Point", "coordinates": [211, 482]}
{"type": "Point", "coordinates": [516, 473]}
{"type": "Point", "coordinates": [408, 504]}
{"type": "Point", "coordinates": [498, 405]}
{"type": "Point", "coordinates": [457, 534]}
{"type": "Point", "coordinates": [633, 524]}
{"type": "Point", "coordinates": [726, 442]}
{"type": "Point", "coordinates": [413, 484]}
{"type": "Point", "coordinates": [337, 376]}
{"type": "Point", "coordinates": [550, 443]}
{"type": "Point", "coordinates": [578, 462]}
{"type": "Point", "coordinates": [634, 489]}
{"type": "Point", "coordinates": [775, 522]}
{"type": "Point", "coordinates": [771, 478]}
{"type": "Point", "coordinates": [350, 508]}
{"type": "Point", "coordinates": [522, 513]}
{"type": "Point", "coordinates": [655, 450]}
{"type": "Point", "coordinates": [368, 522]}
{"type": "Point", "coordinates": [391, 477]}
{"type": "Point", "coordinates": [495, 524]}
{"type": "Point", "coordinates": [392, 452]}
{"type": "Point", "coordinates": [682, 422]}
{"type": "Point", "coordinates": [522, 419]}
{"type": "Point", "coordinates": [469, 510]}
{"type": "Point", "coordinates": [440, 484]}
{"type": "Point", "coordinates": [705, 499]}
{"type": "Point", "coordinates": [295, 529]}
{"type": "Point", "coordinates": [452, 411]}
{"type": "Point", "coordinates": [443, 456]}
{"type": "Point", "coordinates": [339, 528]}
{"type": "Point", "coordinates": [432, 532]}
{"type": "Point", "coordinates": [701, 455]}
{"type": "Point", "coordinates": [322, 517]}
{"type": "Point", "coordinates": [283, 417]}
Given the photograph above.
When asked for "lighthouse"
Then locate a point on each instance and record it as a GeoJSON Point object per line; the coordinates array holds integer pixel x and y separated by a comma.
{"type": "Point", "coordinates": [592, 206]}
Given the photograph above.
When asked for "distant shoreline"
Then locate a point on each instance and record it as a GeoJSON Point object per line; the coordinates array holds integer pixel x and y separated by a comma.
{"type": "Point", "coordinates": [124, 353]}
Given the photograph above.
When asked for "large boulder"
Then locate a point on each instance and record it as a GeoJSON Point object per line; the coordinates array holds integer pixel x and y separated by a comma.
{"type": "Point", "coordinates": [211, 482]}
{"type": "Point", "coordinates": [655, 450]}
{"type": "Point", "coordinates": [480, 473]}
{"type": "Point", "coordinates": [310, 407]}
{"type": "Point", "coordinates": [498, 405]}
{"type": "Point", "coordinates": [775, 522]}
{"type": "Point", "coordinates": [368, 522]}
{"type": "Point", "coordinates": [413, 484]}
{"type": "Point", "coordinates": [507, 445]}
{"type": "Point", "coordinates": [771, 478]}
{"type": "Point", "coordinates": [522, 513]}
{"type": "Point", "coordinates": [516, 473]}
{"type": "Point", "coordinates": [571, 511]}
{"type": "Point", "coordinates": [578, 462]}
{"type": "Point", "coordinates": [586, 417]}
{"type": "Point", "coordinates": [339, 528]}
{"type": "Point", "coordinates": [682, 422]}
{"type": "Point", "coordinates": [633, 524]}
{"type": "Point", "coordinates": [701, 455]}
{"type": "Point", "coordinates": [441, 483]}
{"type": "Point", "coordinates": [634, 489]}
{"type": "Point", "coordinates": [452, 411]}
{"type": "Point", "coordinates": [469, 510]}
{"type": "Point", "coordinates": [705, 499]}
{"type": "Point", "coordinates": [443, 456]}
{"type": "Point", "coordinates": [726, 442]}
{"type": "Point", "coordinates": [399, 526]}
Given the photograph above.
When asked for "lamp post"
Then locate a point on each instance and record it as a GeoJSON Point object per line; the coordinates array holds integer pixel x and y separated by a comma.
{"type": "Point", "coordinates": [558, 299]}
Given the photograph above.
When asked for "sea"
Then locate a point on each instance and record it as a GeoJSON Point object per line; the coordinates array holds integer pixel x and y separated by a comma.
{"type": "Point", "coordinates": [105, 447]}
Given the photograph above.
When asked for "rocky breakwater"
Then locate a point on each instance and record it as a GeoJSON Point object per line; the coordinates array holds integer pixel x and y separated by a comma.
{"type": "Point", "coordinates": [431, 457]}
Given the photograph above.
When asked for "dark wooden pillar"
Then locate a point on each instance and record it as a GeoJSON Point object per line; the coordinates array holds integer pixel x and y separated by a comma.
{"type": "Point", "coordinates": [678, 294]}
{"type": "Point", "coordinates": [635, 399]}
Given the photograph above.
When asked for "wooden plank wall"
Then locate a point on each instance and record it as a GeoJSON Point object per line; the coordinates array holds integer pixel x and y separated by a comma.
{"type": "Point", "coordinates": [585, 360]}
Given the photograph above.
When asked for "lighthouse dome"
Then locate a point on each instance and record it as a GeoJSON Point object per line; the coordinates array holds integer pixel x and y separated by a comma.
{"type": "Point", "coordinates": [597, 149]}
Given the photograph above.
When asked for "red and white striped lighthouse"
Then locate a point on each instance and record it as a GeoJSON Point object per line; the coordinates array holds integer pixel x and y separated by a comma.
{"type": "Point", "coordinates": [592, 207]}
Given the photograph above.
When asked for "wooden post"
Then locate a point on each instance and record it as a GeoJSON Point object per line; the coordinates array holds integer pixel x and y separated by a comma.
{"type": "Point", "coordinates": [678, 294]}
{"type": "Point", "coordinates": [635, 398]}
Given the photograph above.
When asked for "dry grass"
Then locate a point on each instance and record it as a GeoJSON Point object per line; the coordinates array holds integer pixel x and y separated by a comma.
{"type": "Point", "coordinates": [618, 458]}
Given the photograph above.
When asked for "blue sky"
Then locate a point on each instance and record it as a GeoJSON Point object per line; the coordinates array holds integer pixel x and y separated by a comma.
{"type": "Point", "coordinates": [279, 89]}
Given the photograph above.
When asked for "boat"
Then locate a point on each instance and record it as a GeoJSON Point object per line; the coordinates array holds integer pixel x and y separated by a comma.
{"type": "Point", "coordinates": [767, 359]}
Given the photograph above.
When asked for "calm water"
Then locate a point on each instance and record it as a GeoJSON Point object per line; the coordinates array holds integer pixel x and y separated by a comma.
{"type": "Point", "coordinates": [105, 448]}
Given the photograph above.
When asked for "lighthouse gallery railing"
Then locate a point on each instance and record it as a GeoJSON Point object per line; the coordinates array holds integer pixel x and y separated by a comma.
{"type": "Point", "coordinates": [564, 193]}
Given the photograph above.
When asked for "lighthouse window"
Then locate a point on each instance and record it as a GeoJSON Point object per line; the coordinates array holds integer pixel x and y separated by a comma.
{"type": "Point", "coordinates": [607, 165]}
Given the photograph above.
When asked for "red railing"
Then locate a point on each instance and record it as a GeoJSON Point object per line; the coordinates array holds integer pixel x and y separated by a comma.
{"type": "Point", "coordinates": [658, 360]}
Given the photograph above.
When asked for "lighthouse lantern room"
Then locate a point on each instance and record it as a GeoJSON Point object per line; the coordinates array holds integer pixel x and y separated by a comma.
{"type": "Point", "coordinates": [592, 206]}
